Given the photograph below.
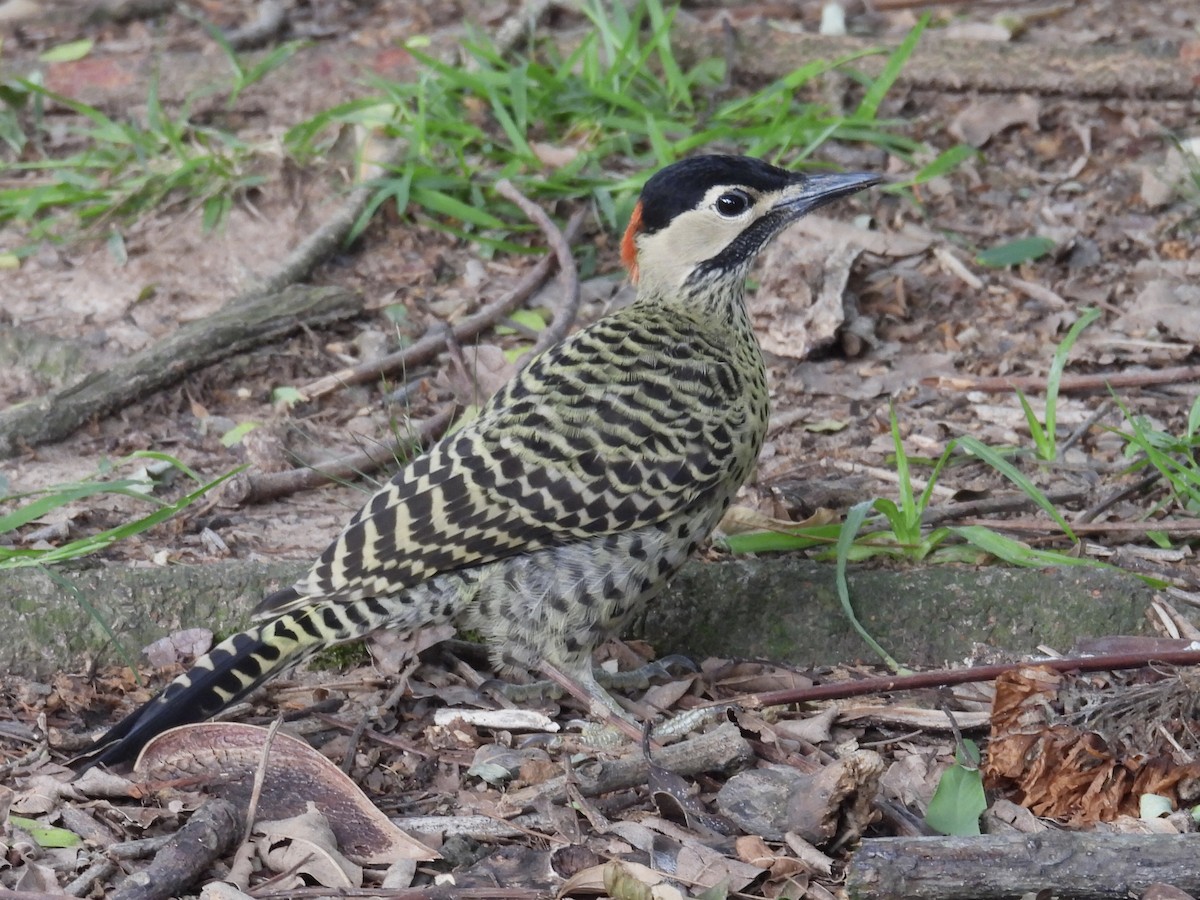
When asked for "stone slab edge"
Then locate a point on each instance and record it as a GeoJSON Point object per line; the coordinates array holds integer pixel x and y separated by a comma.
{"type": "Point", "coordinates": [783, 609]}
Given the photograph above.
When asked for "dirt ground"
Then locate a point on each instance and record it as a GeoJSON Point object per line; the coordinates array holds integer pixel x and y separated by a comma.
{"type": "Point", "coordinates": [919, 319]}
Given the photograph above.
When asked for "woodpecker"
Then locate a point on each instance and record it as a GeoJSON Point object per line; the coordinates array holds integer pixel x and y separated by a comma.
{"type": "Point", "coordinates": [548, 522]}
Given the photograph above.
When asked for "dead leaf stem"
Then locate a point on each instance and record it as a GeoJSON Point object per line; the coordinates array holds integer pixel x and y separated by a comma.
{"type": "Point", "coordinates": [428, 347]}
{"type": "Point", "coordinates": [259, 487]}
{"type": "Point", "coordinates": [886, 684]}
{"type": "Point", "coordinates": [1070, 384]}
{"type": "Point", "coordinates": [564, 318]}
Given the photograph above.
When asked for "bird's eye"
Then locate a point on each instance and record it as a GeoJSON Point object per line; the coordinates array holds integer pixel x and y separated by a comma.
{"type": "Point", "coordinates": [732, 204]}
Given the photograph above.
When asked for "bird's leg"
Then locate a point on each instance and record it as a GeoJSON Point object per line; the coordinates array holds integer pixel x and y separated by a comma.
{"type": "Point", "coordinates": [583, 686]}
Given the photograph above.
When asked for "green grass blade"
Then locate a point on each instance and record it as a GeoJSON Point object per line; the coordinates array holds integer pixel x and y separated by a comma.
{"type": "Point", "coordinates": [869, 107]}
{"type": "Point", "coordinates": [945, 161]}
{"type": "Point", "coordinates": [1016, 552]}
{"type": "Point", "coordinates": [850, 528]}
{"type": "Point", "coordinates": [69, 493]}
{"type": "Point", "coordinates": [994, 459]}
{"type": "Point", "coordinates": [103, 539]}
{"type": "Point", "coordinates": [910, 515]}
{"type": "Point", "coordinates": [1043, 438]}
{"type": "Point", "coordinates": [1059, 364]}
{"type": "Point", "coordinates": [441, 203]}
{"type": "Point", "coordinates": [94, 614]}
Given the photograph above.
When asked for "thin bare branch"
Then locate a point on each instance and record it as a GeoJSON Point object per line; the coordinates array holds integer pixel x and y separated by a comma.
{"type": "Point", "coordinates": [428, 347]}
{"type": "Point", "coordinates": [568, 275]}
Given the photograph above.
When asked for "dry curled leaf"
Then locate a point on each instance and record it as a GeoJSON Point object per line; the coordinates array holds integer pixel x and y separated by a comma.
{"type": "Point", "coordinates": [304, 846]}
{"type": "Point", "coordinates": [1042, 759]}
{"type": "Point", "coordinates": [224, 756]}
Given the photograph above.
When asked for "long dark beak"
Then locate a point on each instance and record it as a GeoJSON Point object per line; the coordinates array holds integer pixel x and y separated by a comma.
{"type": "Point", "coordinates": [812, 191]}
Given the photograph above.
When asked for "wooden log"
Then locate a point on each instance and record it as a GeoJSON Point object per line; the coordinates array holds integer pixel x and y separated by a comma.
{"type": "Point", "coordinates": [1069, 864]}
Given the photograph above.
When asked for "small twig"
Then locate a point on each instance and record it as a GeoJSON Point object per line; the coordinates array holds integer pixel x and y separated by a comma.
{"type": "Point", "coordinates": [81, 885]}
{"type": "Point", "coordinates": [889, 476]}
{"type": "Point", "coordinates": [139, 849]}
{"type": "Point", "coordinates": [246, 322]}
{"type": "Point", "coordinates": [1035, 526]}
{"type": "Point", "coordinates": [352, 742]}
{"type": "Point", "coordinates": [953, 511]}
{"type": "Point", "coordinates": [1068, 384]}
{"type": "Point", "coordinates": [568, 275]}
{"type": "Point", "coordinates": [428, 347]}
{"type": "Point", "coordinates": [322, 242]}
{"type": "Point", "coordinates": [719, 750]}
{"type": "Point", "coordinates": [384, 740]}
{"type": "Point", "coordinates": [260, 776]}
{"type": "Point", "coordinates": [1085, 427]}
{"type": "Point", "coordinates": [1116, 497]}
{"type": "Point", "coordinates": [786, 419]}
{"type": "Point", "coordinates": [34, 757]}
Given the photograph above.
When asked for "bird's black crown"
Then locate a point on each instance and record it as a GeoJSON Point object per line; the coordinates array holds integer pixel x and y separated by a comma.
{"type": "Point", "coordinates": [682, 185]}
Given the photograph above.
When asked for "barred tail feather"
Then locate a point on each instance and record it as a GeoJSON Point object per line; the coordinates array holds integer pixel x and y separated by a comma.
{"type": "Point", "coordinates": [225, 675]}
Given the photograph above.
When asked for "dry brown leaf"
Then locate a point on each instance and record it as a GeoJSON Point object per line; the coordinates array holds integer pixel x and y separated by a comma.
{"type": "Point", "coordinates": [305, 845]}
{"type": "Point", "coordinates": [1062, 771]}
{"type": "Point", "coordinates": [675, 799]}
{"type": "Point", "coordinates": [985, 117]}
{"type": "Point", "coordinates": [814, 729]}
{"type": "Point", "coordinates": [664, 696]}
{"type": "Point", "coordinates": [752, 677]}
{"type": "Point", "coordinates": [223, 756]}
{"type": "Point", "coordinates": [838, 800]}
{"type": "Point", "coordinates": [812, 858]}
{"type": "Point", "coordinates": [391, 650]}
{"type": "Point", "coordinates": [789, 317]}
{"type": "Point", "coordinates": [178, 647]}
{"type": "Point", "coordinates": [834, 801]}
{"type": "Point", "coordinates": [1164, 308]}
{"type": "Point", "coordinates": [614, 879]}
{"type": "Point", "coordinates": [553, 156]}
{"type": "Point", "coordinates": [744, 520]}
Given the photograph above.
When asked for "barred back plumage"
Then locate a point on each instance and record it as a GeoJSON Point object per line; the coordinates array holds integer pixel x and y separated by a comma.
{"type": "Point", "coordinates": [549, 520]}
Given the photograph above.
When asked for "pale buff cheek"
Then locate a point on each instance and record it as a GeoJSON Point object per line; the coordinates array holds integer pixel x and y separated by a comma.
{"type": "Point", "coordinates": [673, 253]}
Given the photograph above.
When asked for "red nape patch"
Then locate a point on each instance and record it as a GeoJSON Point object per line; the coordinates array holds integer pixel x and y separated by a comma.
{"type": "Point", "coordinates": [628, 243]}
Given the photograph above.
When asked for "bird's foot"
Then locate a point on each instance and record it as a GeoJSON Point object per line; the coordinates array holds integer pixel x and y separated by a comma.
{"type": "Point", "coordinates": [605, 735]}
{"type": "Point", "coordinates": [638, 679]}
{"type": "Point", "coordinates": [614, 722]}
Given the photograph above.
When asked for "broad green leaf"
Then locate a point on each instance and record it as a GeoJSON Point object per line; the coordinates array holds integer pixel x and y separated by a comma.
{"type": "Point", "coordinates": [1013, 253]}
{"type": "Point", "coordinates": [1016, 552]}
{"type": "Point", "coordinates": [958, 800]}
{"type": "Point", "coordinates": [69, 52]}
{"type": "Point", "coordinates": [234, 435]}
{"type": "Point", "coordinates": [286, 395]}
{"type": "Point", "coordinates": [527, 318]}
{"type": "Point", "coordinates": [47, 836]}
{"type": "Point", "coordinates": [780, 542]}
